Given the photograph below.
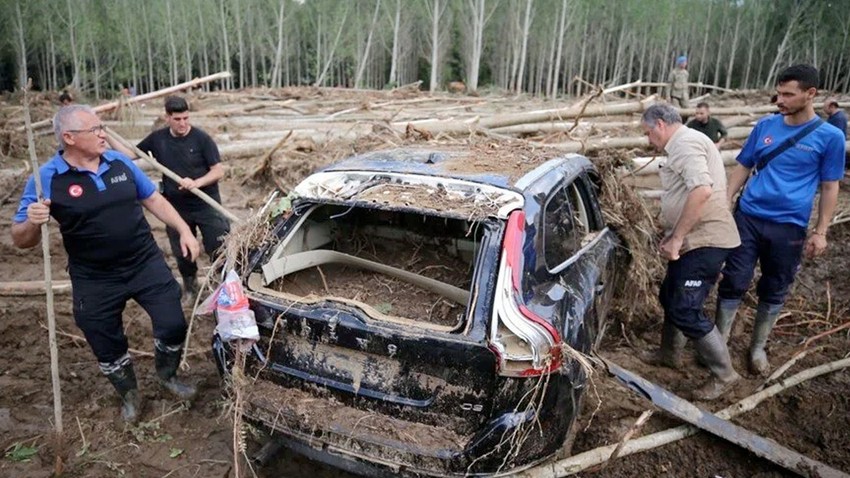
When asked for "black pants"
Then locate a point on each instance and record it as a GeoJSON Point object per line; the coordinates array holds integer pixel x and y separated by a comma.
{"type": "Point", "coordinates": [99, 303]}
{"type": "Point", "coordinates": [686, 286]}
{"type": "Point", "coordinates": [213, 228]}
{"type": "Point", "coordinates": [778, 248]}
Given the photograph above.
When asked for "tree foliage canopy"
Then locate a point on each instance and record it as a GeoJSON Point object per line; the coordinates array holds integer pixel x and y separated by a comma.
{"type": "Point", "coordinates": [535, 46]}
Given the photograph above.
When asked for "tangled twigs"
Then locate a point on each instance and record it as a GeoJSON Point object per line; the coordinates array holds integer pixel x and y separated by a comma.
{"type": "Point", "coordinates": [530, 404]}
{"type": "Point", "coordinates": [236, 387]}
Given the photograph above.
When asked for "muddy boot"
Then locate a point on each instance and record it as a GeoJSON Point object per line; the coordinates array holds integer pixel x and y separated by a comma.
{"type": "Point", "coordinates": [167, 360]}
{"type": "Point", "coordinates": [766, 315]}
{"type": "Point", "coordinates": [122, 376]}
{"type": "Point", "coordinates": [670, 353]}
{"type": "Point", "coordinates": [715, 355]}
{"type": "Point", "coordinates": [190, 291]}
{"type": "Point", "coordinates": [724, 316]}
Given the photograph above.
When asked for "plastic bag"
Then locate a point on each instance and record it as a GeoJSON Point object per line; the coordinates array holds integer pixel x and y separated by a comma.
{"type": "Point", "coordinates": [235, 321]}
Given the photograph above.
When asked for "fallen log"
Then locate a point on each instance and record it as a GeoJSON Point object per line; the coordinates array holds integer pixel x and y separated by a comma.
{"type": "Point", "coordinates": [582, 461]}
{"type": "Point", "coordinates": [690, 85]}
{"type": "Point", "coordinates": [147, 96]}
{"type": "Point", "coordinates": [509, 119]}
{"type": "Point", "coordinates": [563, 126]}
{"type": "Point", "coordinates": [241, 149]}
{"type": "Point", "coordinates": [26, 288]}
{"type": "Point", "coordinates": [646, 165]}
{"type": "Point", "coordinates": [593, 144]}
{"type": "Point", "coordinates": [37, 287]}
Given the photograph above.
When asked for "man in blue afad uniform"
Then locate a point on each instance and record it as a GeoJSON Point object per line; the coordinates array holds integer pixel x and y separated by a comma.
{"type": "Point", "coordinates": [774, 209]}
{"type": "Point", "coordinates": [96, 195]}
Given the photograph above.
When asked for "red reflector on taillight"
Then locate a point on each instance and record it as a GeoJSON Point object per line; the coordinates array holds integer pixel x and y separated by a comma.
{"type": "Point", "coordinates": [512, 246]}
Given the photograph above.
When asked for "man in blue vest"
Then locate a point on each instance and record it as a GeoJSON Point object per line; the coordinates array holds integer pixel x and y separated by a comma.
{"type": "Point", "coordinates": [96, 195]}
{"type": "Point", "coordinates": [774, 208]}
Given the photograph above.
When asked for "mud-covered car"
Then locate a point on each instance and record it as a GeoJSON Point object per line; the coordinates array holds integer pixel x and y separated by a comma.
{"type": "Point", "coordinates": [414, 309]}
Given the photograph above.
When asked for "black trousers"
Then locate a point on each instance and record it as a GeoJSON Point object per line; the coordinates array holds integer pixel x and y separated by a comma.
{"type": "Point", "coordinates": [213, 229]}
{"type": "Point", "coordinates": [99, 303]}
{"type": "Point", "coordinates": [776, 247]}
{"type": "Point", "coordinates": [686, 286]}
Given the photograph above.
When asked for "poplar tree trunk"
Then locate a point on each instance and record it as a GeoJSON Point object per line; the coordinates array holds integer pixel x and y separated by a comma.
{"type": "Point", "coordinates": [394, 62]}
{"type": "Point", "coordinates": [523, 53]}
{"type": "Point", "coordinates": [321, 79]}
{"type": "Point", "coordinates": [278, 54]}
{"type": "Point", "coordinates": [151, 86]}
{"type": "Point", "coordinates": [225, 62]}
{"type": "Point", "coordinates": [364, 58]}
{"type": "Point", "coordinates": [436, 13]}
{"type": "Point", "coordinates": [76, 81]}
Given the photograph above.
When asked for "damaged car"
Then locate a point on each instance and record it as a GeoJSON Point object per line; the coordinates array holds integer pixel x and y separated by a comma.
{"type": "Point", "coordinates": [420, 311]}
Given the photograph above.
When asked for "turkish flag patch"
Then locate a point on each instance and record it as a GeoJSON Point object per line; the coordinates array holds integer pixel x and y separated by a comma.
{"type": "Point", "coordinates": [75, 190]}
{"type": "Point", "coordinates": [768, 140]}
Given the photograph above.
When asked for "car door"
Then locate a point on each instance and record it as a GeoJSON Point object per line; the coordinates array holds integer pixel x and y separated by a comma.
{"type": "Point", "coordinates": [572, 275]}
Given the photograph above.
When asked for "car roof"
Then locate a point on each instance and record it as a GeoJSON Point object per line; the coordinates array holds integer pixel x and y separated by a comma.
{"type": "Point", "coordinates": [503, 166]}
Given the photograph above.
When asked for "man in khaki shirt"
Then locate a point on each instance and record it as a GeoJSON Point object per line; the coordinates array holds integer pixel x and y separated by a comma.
{"type": "Point", "coordinates": [699, 233]}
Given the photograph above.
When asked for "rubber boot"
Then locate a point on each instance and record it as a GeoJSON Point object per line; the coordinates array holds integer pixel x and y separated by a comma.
{"type": "Point", "coordinates": [167, 360]}
{"type": "Point", "coordinates": [766, 315]}
{"type": "Point", "coordinates": [669, 354]}
{"type": "Point", "coordinates": [724, 316]}
{"type": "Point", "coordinates": [190, 290]}
{"type": "Point", "coordinates": [715, 355]}
{"type": "Point", "coordinates": [123, 378]}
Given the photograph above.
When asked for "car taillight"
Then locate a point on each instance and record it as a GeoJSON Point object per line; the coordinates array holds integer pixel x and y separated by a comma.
{"type": "Point", "coordinates": [524, 343]}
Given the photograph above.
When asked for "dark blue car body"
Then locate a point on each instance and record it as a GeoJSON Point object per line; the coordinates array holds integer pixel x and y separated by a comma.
{"type": "Point", "coordinates": [493, 393]}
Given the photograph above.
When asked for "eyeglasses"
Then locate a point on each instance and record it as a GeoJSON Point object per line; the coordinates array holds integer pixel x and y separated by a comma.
{"type": "Point", "coordinates": [93, 130]}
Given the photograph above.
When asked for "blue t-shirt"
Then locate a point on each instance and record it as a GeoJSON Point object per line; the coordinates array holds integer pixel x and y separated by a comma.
{"type": "Point", "coordinates": [99, 213]}
{"type": "Point", "coordinates": [839, 120]}
{"type": "Point", "coordinates": [784, 190]}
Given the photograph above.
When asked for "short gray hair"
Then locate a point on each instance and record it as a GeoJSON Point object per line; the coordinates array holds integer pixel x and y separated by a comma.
{"type": "Point", "coordinates": [660, 111]}
{"type": "Point", "coordinates": [66, 119]}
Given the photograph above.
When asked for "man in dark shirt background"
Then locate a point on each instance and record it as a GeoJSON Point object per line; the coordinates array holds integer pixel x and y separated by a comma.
{"type": "Point", "coordinates": [835, 115]}
{"type": "Point", "coordinates": [705, 124]}
{"type": "Point", "coordinates": [193, 155]}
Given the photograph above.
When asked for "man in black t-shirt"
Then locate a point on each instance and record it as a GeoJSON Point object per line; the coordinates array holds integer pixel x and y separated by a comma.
{"type": "Point", "coordinates": [711, 127]}
{"type": "Point", "coordinates": [194, 156]}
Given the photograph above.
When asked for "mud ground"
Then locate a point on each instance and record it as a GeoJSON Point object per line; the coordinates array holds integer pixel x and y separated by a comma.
{"type": "Point", "coordinates": [813, 418]}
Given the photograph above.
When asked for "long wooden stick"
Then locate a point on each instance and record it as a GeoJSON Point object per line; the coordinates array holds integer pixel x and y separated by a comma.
{"type": "Point", "coordinates": [147, 96]}
{"type": "Point", "coordinates": [171, 174]}
{"type": "Point", "coordinates": [582, 461]}
{"type": "Point", "coordinates": [48, 278]}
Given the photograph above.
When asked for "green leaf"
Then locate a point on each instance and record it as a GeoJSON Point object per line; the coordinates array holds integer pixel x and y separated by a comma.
{"type": "Point", "coordinates": [21, 453]}
{"type": "Point", "coordinates": [384, 307]}
{"type": "Point", "coordinates": [283, 205]}
{"type": "Point", "coordinates": [175, 452]}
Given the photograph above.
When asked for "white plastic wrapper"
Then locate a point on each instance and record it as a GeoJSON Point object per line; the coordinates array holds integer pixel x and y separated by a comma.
{"type": "Point", "coordinates": [235, 321]}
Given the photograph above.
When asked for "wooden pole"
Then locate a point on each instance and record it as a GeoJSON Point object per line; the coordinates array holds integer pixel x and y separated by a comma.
{"type": "Point", "coordinates": [171, 174]}
{"type": "Point", "coordinates": [51, 315]}
{"type": "Point", "coordinates": [576, 463]}
{"type": "Point", "coordinates": [147, 96]}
